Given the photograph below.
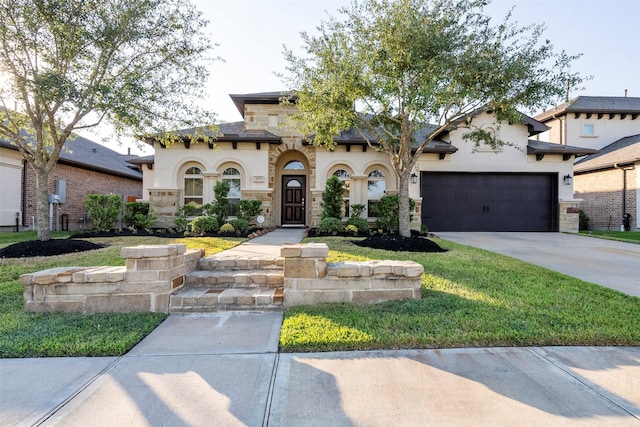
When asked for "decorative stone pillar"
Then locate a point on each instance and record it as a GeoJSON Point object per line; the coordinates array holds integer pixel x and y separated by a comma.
{"type": "Point", "coordinates": [570, 215]}
{"type": "Point", "coordinates": [163, 203]}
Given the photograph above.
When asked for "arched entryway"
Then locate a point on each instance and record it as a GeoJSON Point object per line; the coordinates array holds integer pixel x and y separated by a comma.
{"type": "Point", "coordinates": [293, 190]}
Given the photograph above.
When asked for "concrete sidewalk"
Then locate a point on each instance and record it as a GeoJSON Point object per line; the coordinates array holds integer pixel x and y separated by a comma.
{"type": "Point", "coordinates": [224, 369]}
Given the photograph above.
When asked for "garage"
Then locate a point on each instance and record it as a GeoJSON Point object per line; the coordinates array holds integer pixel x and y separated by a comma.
{"type": "Point", "coordinates": [489, 201]}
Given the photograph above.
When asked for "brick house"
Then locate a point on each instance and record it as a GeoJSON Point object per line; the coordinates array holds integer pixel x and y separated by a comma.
{"type": "Point", "coordinates": [607, 181]}
{"type": "Point", "coordinates": [84, 167]}
{"type": "Point", "coordinates": [455, 187]}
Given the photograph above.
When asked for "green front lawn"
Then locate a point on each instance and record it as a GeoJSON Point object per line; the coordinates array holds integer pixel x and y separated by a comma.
{"type": "Point", "coordinates": [470, 298]}
{"type": "Point", "coordinates": [61, 334]}
{"type": "Point", "coordinates": [623, 236]}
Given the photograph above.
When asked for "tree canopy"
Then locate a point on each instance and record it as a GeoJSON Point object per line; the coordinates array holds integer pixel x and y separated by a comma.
{"type": "Point", "coordinates": [137, 65]}
{"type": "Point", "coordinates": [390, 68]}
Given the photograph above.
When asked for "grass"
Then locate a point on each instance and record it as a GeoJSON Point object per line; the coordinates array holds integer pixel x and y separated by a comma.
{"type": "Point", "coordinates": [622, 236]}
{"type": "Point", "coordinates": [63, 334]}
{"type": "Point", "coordinates": [470, 298]}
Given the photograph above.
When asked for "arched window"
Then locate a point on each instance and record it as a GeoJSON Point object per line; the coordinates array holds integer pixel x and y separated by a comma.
{"type": "Point", "coordinates": [193, 185]}
{"type": "Point", "coordinates": [233, 178]}
{"type": "Point", "coordinates": [294, 165]}
{"type": "Point", "coordinates": [344, 176]}
{"type": "Point", "coordinates": [376, 187]}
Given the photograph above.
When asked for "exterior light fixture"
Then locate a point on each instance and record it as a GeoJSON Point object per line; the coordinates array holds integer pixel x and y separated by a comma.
{"type": "Point", "coordinates": [414, 178]}
{"type": "Point", "coordinates": [568, 179]}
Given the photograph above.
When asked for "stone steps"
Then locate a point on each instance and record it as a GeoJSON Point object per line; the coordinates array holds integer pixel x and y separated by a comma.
{"type": "Point", "coordinates": [225, 283]}
{"type": "Point", "coordinates": [202, 300]}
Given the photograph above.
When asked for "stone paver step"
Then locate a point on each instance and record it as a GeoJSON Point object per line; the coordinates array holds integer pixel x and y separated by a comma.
{"type": "Point", "coordinates": [234, 279]}
{"type": "Point", "coordinates": [202, 300]}
{"type": "Point", "coordinates": [239, 262]}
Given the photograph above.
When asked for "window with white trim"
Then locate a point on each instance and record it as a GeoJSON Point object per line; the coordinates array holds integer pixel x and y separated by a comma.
{"type": "Point", "coordinates": [588, 129]}
{"type": "Point", "coordinates": [376, 188]}
{"type": "Point", "coordinates": [344, 176]}
{"type": "Point", "coordinates": [193, 186]}
{"type": "Point", "coordinates": [233, 177]}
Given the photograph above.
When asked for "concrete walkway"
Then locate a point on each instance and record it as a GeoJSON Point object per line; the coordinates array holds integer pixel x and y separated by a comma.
{"type": "Point", "coordinates": [608, 263]}
{"type": "Point", "coordinates": [224, 369]}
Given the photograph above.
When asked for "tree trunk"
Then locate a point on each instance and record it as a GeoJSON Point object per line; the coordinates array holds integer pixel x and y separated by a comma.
{"type": "Point", "coordinates": [403, 205]}
{"type": "Point", "coordinates": [42, 204]}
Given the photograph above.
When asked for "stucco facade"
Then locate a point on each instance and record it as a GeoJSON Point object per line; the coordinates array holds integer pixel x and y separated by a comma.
{"type": "Point", "coordinates": [268, 165]}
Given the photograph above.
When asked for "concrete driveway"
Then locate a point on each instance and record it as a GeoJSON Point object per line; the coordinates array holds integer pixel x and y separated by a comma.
{"type": "Point", "coordinates": [608, 263]}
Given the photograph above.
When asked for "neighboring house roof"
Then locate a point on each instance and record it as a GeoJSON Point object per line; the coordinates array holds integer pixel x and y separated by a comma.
{"type": "Point", "coordinates": [86, 154]}
{"type": "Point", "coordinates": [540, 148]}
{"type": "Point", "coordinates": [594, 105]}
{"type": "Point", "coordinates": [623, 151]}
{"type": "Point", "coordinates": [227, 132]}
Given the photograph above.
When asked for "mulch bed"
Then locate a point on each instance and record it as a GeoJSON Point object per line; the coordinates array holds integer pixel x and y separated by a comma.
{"type": "Point", "coordinates": [392, 242]}
{"type": "Point", "coordinates": [49, 248]}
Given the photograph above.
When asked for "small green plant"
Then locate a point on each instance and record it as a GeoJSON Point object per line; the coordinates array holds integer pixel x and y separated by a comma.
{"type": "Point", "coordinates": [356, 220]}
{"type": "Point", "coordinates": [137, 216]}
{"type": "Point", "coordinates": [204, 224]}
{"type": "Point", "coordinates": [330, 225]}
{"type": "Point", "coordinates": [583, 221]}
{"type": "Point", "coordinates": [333, 198]}
{"type": "Point", "coordinates": [351, 229]}
{"type": "Point", "coordinates": [103, 210]}
{"type": "Point", "coordinates": [387, 211]}
{"type": "Point", "coordinates": [248, 209]}
{"type": "Point", "coordinates": [182, 217]}
{"type": "Point", "coordinates": [227, 229]}
{"type": "Point", "coordinates": [240, 225]}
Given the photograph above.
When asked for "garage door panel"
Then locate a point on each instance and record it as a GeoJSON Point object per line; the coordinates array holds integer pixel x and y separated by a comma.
{"type": "Point", "coordinates": [489, 202]}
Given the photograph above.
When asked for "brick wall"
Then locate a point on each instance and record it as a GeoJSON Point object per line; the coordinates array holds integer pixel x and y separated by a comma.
{"type": "Point", "coordinates": [602, 195]}
{"type": "Point", "coordinates": [80, 183]}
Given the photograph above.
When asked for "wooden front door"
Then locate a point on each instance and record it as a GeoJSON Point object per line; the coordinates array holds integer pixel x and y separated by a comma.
{"type": "Point", "coordinates": [293, 195]}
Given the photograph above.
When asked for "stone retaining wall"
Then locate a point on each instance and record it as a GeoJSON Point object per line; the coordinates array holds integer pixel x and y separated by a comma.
{"type": "Point", "coordinates": [310, 280]}
{"type": "Point", "coordinates": [151, 274]}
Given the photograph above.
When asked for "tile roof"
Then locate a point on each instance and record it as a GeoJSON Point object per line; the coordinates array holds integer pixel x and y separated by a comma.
{"type": "Point", "coordinates": [594, 104]}
{"type": "Point", "coordinates": [84, 153]}
{"type": "Point", "coordinates": [228, 132]}
{"type": "Point", "coordinates": [542, 148]}
{"type": "Point", "coordinates": [623, 151]}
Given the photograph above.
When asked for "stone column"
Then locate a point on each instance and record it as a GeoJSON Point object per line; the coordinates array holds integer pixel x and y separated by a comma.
{"type": "Point", "coordinates": [570, 215]}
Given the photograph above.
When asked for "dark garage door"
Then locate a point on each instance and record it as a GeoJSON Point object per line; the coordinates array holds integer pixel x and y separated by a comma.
{"type": "Point", "coordinates": [489, 202]}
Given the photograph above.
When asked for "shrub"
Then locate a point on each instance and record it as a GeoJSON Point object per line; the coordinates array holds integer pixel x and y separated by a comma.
{"type": "Point", "coordinates": [330, 225]}
{"type": "Point", "coordinates": [182, 217]}
{"type": "Point", "coordinates": [220, 207]}
{"type": "Point", "coordinates": [361, 224]}
{"type": "Point", "coordinates": [583, 221]}
{"type": "Point", "coordinates": [387, 211]}
{"type": "Point", "coordinates": [333, 198]}
{"type": "Point", "coordinates": [204, 224]}
{"type": "Point", "coordinates": [248, 209]}
{"type": "Point", "coordinates": [227, 229]}
{"type": "Point", "coordinates": [352, 229]}
{"type": "Point", "coordinates": [103, 210]}
{"type": "Point", "coordinates": [136, 215]}
{"type": "Point", "coordinates": [240, 225]}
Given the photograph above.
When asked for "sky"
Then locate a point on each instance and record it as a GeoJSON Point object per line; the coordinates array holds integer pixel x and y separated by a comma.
{"type": "Point", "coordinates": [251, 33]}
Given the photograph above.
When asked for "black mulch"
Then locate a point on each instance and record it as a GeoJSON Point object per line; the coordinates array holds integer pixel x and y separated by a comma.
{"type": "Point", "coordinates": [392, 242]}
{"type": "Point", "coordinates": [49, 248]}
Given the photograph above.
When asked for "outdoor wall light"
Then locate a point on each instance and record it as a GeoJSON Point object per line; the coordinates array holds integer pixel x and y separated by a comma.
{"type": "Point", "coordinates": [568, 179]}
{"type": "Point", "coordinates": [414, 178]}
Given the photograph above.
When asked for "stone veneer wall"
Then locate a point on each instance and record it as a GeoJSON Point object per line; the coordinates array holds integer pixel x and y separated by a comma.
{"type": "Point", "coordinates": [151, 274]}
{"type": "Point", "coordinates": [163, 203]}
{"type": "Point", "coordinates": [310, 280]}
{"type": "Point", "coordinates": [569, 215]}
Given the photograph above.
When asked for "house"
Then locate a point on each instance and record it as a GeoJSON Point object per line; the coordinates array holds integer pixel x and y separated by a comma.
{"type": "Point", "coordinates": [455, 187]}
{"type": "Point", "coordinates": [84, 167]}
{"type": "Point", "coordinates": [606, 181]}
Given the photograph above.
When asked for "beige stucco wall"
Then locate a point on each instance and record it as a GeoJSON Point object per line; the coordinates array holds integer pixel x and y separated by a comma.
{"type": "Point", "coordinates": [606, 130]}
{"type": "Point", "coordinates": [11, 178]}
{"type": "Point", "coordinates": [509, 159]}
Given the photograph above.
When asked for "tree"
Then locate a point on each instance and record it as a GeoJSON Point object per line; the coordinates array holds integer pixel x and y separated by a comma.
{"type": "Point", "coordinates": [391, 69]}
{"type": "Point", "coordinates": [69, 65]}
{"type": "Point", "coordinates": [332, 198]}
